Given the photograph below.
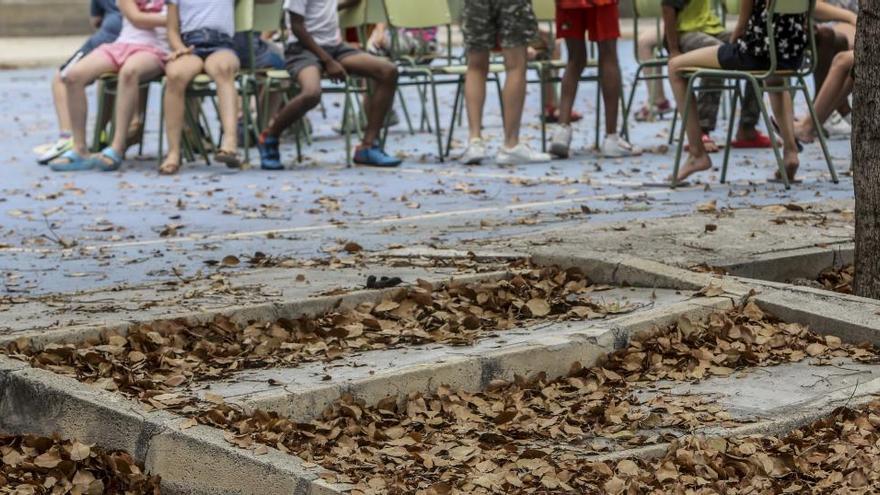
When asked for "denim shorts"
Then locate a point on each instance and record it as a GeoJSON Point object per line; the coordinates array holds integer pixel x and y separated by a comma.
{"type": "Point", "coordinates": [731, 58]}
{"type": "Point", "coordinates": [267, 55]}
{"type": "Point", "coordinates": [206, 41]}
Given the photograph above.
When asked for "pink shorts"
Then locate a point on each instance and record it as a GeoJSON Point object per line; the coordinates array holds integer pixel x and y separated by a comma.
{"type": "Point", "coordinates": [118, 53]}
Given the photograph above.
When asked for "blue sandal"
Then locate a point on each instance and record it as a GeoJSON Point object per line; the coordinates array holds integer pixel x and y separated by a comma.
{"type": "Point", "coordinates": [72, 162]}
{"type": "Point", "coordinates": [108, 160]}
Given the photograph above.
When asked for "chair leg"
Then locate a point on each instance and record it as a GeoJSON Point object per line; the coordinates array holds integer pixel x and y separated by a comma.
{"type": "Point", "coordinates": [681, 138]}
{"type": "Point", "coordinates": [759, 94]}
{"type": "Point", "coordinates": [405, 111]}
{"type": "Point", "coordinates": [500, 95]}
{"type": "Point", "coordinates": [161, 122]}
{"type": "Point", "coordinates": [627, 108]}
{"type": "Point", "coordinates": [821, 135]}
{"type": "Point", "coordinates": [596, 143]}
{"type": "Point", "coordinates": [543, 81]}
{"type": "Point", "coordinates": [672, 127]}
{"type": "Point", "coordinates": [246, 115]}
{"type": "Point", "coordinates": [346, 110]}
{"type": "Point", "coordinates": [455, 113]}
{"type": "Point", "coordinates": [437, 129]}
{"type": "Point", "coordinates": [734, 97]}
{"type": "Point", "coordinates": [101, 90]}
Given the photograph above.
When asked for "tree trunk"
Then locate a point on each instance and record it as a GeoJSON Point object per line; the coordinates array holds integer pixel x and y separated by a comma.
{"type": "Point", "coordinates": [866, 150]}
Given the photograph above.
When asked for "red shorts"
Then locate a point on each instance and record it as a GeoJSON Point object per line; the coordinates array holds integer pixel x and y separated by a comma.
{"type": "Point", "coordinates": [602, 22]}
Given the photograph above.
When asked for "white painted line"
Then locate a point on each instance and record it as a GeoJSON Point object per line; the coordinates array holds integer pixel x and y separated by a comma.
{"type": "Point", "coordinates": [330, 226]}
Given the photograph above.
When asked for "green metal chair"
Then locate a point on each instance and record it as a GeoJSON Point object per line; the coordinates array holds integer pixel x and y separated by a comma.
{"type": "Point", "coordinates": [759, 80]}
{"type": "Point", "coordinates": [642, 10]}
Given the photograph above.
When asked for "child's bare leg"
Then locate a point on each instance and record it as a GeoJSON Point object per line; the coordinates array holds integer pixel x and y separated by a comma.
{"type": "Point", "coordinates": [222, 67]}
{"type": "Point", "coordinates": [178, 74]}
{"type": "Point", "coordinates": [784, 113]}
{"type": "Point", "coordinates": [698, 160]}
{"type": "Point", "coordinates": [309, 97]}
{"type": "Point", "coordinates": [59, 97]}
{"type": "Point", "coordinates": [75, 80]}
{"type": "Point", "coordinates": [137, 68]}
{"type": "Point", "coordinates": [384, 74]}
{"type": "Point", "coordinates": [647, 43]}
{"type": "Point", "coordinates": [577, 61]}
{"type": "Point", "coordinates": [475, 90]}
{"type": "Point", "coordinates": [514, 93]}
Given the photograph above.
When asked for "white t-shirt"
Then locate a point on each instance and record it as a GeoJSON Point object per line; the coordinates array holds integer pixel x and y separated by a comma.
{"type": "Point", "coordinates": [321, 19]}
{"type": "Point", "coordinates": [212, 14]}
{"type": "Point", "coordinates": [157, 37]}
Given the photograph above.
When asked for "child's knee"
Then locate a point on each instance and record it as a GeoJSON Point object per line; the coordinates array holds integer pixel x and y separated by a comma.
{"type": "Point", "coordinates": [129, 75]}
{"type": "Point", "coordinates": [311, 97]}
{"type": "Point", "coordinates": [388, 74]}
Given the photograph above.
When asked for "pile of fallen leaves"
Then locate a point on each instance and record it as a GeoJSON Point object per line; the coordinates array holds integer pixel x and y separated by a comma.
{"type": "Point", "coordinates": [152, 360]}
{"type": "Point", "coordinates": [837, 279]}
{"type": "Point", "coordinates": [42, 465]}
{"type": "Point", "coordinates": [837, 454]}
{"type": "Point", "coordinates": [531, 435]}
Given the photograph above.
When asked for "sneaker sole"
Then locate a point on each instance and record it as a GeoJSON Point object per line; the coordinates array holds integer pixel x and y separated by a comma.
{"type": "Point", "coordinates": [472, 161]}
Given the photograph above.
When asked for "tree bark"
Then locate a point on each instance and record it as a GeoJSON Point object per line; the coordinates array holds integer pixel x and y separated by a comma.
{"type": "Point", "coordinates": [866, 150]}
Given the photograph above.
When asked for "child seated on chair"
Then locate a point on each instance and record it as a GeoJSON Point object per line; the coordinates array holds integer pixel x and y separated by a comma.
{"type": "Point", "coordinates": [107, 21]}
{"type": "Point", "coordinates": [690, 25]}
{"type": "Point", "coordinates": [601, 18]}
{"type": "Point", "coordinates": [316, 48]}
{"type": "Point", "coordinates": [137, 55]}
{"type": "Point", "coordinates": [834, 93]}
{"type": "Point", "coordinates": [748, 50]}
{"type": "Point", "coordinates": [200, 33]}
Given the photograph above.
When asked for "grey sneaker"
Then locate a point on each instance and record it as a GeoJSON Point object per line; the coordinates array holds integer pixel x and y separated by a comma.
{"type": "Point", "coordinates": [560, 142]}
{"type": "Point", "coordinates": [475, 152]}
{"type": "Point", "coordinates": [521, 154]}
{"type": "Point", "coordinates": [615, 146]}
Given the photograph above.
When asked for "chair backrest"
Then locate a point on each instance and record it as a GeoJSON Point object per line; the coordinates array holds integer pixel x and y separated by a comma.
{"type": "Point", "coordinates": [545, 10]}
{"type": "Point", "coordinates": [731, 7]}
{"type": "Point", "coordinates": [251, 15]}
{"type": "Point", "coordinates": [417, 15]}
{"type": "Point", "coordinates": [647, 8]}
{"type": "Point", "coordinates": [363, 13]}
{"type": "Point", "coordinates": [792, 6]}
{"type": "Point", "coordinates": [456, 8]}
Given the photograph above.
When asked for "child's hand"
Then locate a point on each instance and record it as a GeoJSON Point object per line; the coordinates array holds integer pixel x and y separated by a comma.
{"type": "Point", "coordinates": [335, 71]}
{"type": "Point", "coordinates": [176, 54]}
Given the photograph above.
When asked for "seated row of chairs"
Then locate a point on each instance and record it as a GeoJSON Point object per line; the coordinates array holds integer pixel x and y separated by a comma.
{"type": "Point", "coordinates": [427, 75]}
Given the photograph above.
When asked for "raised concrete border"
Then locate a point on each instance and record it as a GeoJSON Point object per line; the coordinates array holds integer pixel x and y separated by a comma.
{"type": "Point", "coordinates": [790, 265]}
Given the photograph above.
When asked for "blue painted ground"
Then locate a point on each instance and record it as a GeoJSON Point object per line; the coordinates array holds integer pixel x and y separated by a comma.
{"type": "Point", "coordinates": [65, 232]}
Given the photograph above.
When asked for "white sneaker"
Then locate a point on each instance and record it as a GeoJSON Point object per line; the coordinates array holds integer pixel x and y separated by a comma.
{"type": "Point", "coordinates": [560, 143]}
{"type": "Point", "coordinates": [836, 127]}
{"type": "Point", "coordinates": [615, 146]}
{"type": "Point", "coordinates": [520, 154]}
{"type": "Point", "coordinates": [475, 152]}
{"type": "Point", "coordinates": [55, 150]}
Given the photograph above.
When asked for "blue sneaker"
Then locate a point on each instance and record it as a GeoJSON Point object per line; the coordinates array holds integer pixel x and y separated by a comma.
{"type": "Point", "coordinates": [375, 157]}
{"type": "Point", "coordinates": [270, 156]}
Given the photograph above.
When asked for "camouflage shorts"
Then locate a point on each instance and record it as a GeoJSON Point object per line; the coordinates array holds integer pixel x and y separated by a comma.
{"type": "Point", "coordinates": [489, 23]}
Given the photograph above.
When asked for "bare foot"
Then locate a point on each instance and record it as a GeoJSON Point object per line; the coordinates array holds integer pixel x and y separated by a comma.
{"type": "Point", "coordinates": [791, 162]}
{"type": "Point", "coordinates": [693, 165]}
{"type": "Point", "coordinates": [803, 131]}
{"type": "Point", "coordinates": [170, 166]}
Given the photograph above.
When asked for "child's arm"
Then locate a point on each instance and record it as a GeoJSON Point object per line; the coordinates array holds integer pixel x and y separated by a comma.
{"type": "Point", "coordinates": [142, 20]}
{"type": "Point", "coordinates": [174, 40]}
{"type": "Point", "coordinates": [331, 66]}
{"type": "Point", "coordinates": [670, 25]}
{"type": "Point", "coordinates": [827, 12]}
{"type": "Point", "coordinates": [745, 11]}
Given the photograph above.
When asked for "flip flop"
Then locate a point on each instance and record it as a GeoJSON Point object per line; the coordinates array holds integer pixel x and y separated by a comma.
{"type": "Point", "coordinates": [230, 158]}
{"type": "Point", "coordinates": [706, 140]}
{"type": "Point", "coordinates": [71, 161]}
{"type": "Point", "coordinates": [760, 140]}
{"type": "Point", "coordinates": [108, 160]}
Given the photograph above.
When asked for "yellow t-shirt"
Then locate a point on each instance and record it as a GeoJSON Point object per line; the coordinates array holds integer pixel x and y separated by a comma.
{"type": "Point", "coordinates": [696, 15]}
